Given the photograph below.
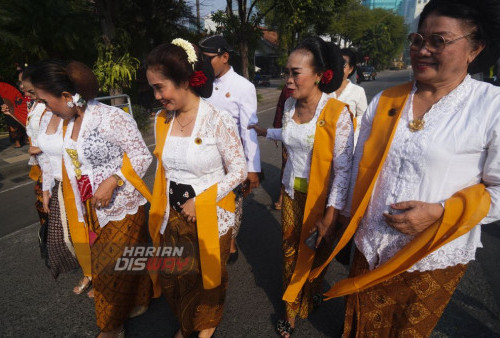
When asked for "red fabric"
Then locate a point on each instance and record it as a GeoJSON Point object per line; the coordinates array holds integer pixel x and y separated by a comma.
{"type": "Point", "coordinates": [278, 117]}
{"type": "Point", "coordinates": [14, 96]}
{"type": "Point", "coordinates": [84, 187]}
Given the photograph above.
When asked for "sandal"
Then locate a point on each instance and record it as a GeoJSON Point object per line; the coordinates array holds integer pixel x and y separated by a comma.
{"type": "Point", "coordinates": [284, 328]}
{"type": "Point", "coordinates": [277, 205]}
{"type": "Point", "coordinates": [83, 286]}
{"type": "Point", "coordinates": [90, 294]}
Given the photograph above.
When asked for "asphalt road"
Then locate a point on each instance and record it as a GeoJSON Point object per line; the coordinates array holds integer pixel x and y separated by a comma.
{"type": "Point", "coordinates": [33, 304]}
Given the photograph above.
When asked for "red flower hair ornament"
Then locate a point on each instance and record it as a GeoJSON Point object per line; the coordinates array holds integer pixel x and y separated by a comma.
{"type": "Point", "coordinates": [327, 76]}
{"type": "Point", "coordinates": [197, 79]}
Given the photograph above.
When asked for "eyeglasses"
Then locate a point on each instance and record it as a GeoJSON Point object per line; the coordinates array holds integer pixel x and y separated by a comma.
{"type": "Point", "coordinates": [434, 43]}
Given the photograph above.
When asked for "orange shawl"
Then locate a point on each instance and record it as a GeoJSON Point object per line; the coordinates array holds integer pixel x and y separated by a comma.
{"type": "Point", "coordinates": [319, 179]}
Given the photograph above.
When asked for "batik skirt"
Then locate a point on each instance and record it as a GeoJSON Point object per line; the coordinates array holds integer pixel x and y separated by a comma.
{"type": "Point", "coordinates": [407, 305]}
{"type": "Point", "coordinates": [196, 309]}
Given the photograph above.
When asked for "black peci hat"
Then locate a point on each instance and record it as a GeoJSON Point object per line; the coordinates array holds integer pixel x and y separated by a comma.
{"type": "Point", "coordinates": [215, 44]}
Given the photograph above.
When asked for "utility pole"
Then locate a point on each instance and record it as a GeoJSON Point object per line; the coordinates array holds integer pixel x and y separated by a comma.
{"type": "Point", "coordinates": [198, 19]}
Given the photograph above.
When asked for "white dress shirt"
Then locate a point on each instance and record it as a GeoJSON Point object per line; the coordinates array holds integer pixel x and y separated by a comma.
{"type": "Point", "coordinates": [236, 95]}
{"type": "Point", "coordinates": [459, 146]}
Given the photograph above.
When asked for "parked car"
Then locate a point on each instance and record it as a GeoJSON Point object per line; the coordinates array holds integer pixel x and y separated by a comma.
{"type": "Point", "coordinates": [366, 73]}
{"type": "Point", "coordinates": [262, 80]}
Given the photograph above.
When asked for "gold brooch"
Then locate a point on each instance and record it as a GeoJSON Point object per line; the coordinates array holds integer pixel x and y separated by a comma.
{"type": "Point", "coordinates": [198, 141]}
{"type": "Point", "coordinates": [73, 155]}
{"type": "Point", "coordinates": [228, 94]}
{"type": "Point", "coordinates": [321, 123]}
{"type": "Point", "coordinates": [416, 125]}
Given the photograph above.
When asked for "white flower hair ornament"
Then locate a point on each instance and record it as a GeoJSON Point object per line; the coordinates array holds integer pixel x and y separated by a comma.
{"type": "Point", "coordinates": [76, 100]}
{"type": "Point", "coordinates": [188, 48]}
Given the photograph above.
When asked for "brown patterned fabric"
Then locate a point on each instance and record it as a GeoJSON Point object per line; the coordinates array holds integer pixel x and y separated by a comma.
{"type": "Point", "coordinates": [17, 132]}
{"type": "Point", "coordinates": [59, 246]}
{"type": "Point", "coordinates": [407, 305]}
{"type": "Point", "coordinates": [44, 218]}
{"type": "Point", "coordinates": [238, 214]}
{"type": "Point", "coordinates": [116, 293]}
{"type": "Point", "coordinates": [292, 214]}
{"type": "Point", "coordinates": [195, 308]}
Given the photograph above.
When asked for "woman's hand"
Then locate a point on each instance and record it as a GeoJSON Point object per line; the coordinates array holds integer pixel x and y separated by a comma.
{"type": "Point", "coordinates": [417, 216]}
{"type": "Point", "coordinates": [46, 199]}
{"type": "Point", "coordinates": [325, 225]}
{"type": "Point", "coordinates": [189, 210]}
{"type": "Point", "coordinates": [103, 195]}
{"type": "Point", "coordinates": [258, 129]}
{"type": "Point", "coordinates": [5, 110]}
{"type": "Point", "coordinates": [34, 150]}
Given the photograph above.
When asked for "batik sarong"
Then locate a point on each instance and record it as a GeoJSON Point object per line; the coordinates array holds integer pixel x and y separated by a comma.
{"type": "Point", "coordinates": [407, 305]}
{"type": "Point", "coordinates": [292, 214]}
{"type": "Point", "coordinates": [196, 309]}
{"type": "Point", "coordinates": [117, 293]}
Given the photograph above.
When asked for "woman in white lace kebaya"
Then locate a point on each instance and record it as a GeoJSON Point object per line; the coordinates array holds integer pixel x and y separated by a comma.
{"type": "Point", "coordinates": [318, 135]}
{"type": "Point", "coordinates": [102, 146]}
{"type": "Point", "coordinates": [35, 112]}
{"type": "Point", "coordinates": [426, 171]}
{"type": "Point", "coordinates": [200, 161]}
{"type": "Point", "coordinates": [45, 132]}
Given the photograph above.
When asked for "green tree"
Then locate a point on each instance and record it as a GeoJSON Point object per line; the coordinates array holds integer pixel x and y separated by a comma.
{"type": "Point", "coordinates": [241, 29]}
{"type": "Point", "coordinates": [296, 19]}
{"type": "Point", "coordinates": [379, 34]}
{"type": "Point", "coordinates": [31, 30]}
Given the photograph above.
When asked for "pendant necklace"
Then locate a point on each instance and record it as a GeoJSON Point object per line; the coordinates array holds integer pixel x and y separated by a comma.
{"type": "Point", "coordinates": [416, 125]}
{"type": "Point", "coordinates": [185, 125]}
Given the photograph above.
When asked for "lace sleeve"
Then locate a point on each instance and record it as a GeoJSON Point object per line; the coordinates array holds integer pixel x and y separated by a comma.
{"type": "Point", "coordinates": [125, 133]}
{"type": "Point", "coordinates": [231, 150]}
{"type": "Point", "coordinates": [342, 161]}
{"type": "Point", "coordinates": [43, 160]}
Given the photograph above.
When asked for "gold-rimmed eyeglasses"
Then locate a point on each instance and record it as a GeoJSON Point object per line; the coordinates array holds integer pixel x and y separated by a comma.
{"type": "Point", "coordinates": [434, 43]}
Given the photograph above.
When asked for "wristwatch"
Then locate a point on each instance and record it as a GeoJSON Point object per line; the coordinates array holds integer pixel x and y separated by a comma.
{"type": "Point", "coordinates": [119, 180]}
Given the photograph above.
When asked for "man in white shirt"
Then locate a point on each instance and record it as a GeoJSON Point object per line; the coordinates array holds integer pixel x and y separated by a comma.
{"type": "Point", "coordinates": [236, 95]}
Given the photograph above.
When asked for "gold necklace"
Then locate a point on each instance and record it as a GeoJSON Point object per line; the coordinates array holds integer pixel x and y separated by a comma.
{"type": "Point", "coordinates": [416, 125]}
{"type": "Point", "coordinates": [183, 126]}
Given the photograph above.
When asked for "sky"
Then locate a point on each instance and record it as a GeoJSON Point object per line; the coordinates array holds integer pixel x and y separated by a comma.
{"type": "Point", "coordinates": [208, 6]}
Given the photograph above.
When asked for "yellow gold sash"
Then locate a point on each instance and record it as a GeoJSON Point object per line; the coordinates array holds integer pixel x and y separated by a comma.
{"type": "Point", "coordinates": [319, 179]}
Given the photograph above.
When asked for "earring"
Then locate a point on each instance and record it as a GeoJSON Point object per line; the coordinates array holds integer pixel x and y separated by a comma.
{"type": "Point", "coordinates": [70, 104]}
{"type": "Point", "coordinates": [316, 82]}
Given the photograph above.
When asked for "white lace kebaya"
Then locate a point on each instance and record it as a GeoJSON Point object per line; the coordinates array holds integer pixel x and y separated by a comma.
{"type": "Point", "coordinates": [212, 154]}
{"type": "Point", "coordinates": [299, 140]}
{"type": "Point", "coordinates": [105, 134]}
{"type": "Point", "coordinates": [457, 148]}
{"type": "Point", "coordinates": [33, 127]}
{"type": "Point", "coordinates": [50, 159]}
